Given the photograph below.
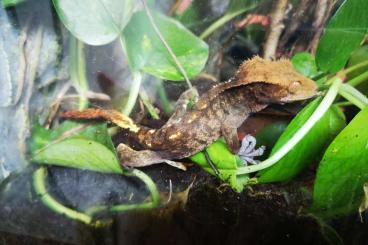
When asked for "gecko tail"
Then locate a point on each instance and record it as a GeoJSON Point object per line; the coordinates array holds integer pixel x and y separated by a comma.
{"type": "Point", "coordinates": [114, 116]}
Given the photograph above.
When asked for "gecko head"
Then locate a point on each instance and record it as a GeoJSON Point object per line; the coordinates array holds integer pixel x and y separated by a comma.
{"type": "Point", "coordinates": [280, 82]}
{"type": "Point", "coordinates": [297, 89]}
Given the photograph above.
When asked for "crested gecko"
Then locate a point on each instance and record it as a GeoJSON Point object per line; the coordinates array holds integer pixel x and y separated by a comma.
{"type": "Point", "coordinates": [218, 112]}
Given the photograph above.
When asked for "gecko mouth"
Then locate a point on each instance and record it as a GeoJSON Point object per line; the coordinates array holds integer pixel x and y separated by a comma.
{"type": "Point", "coordinates": [292, 98]}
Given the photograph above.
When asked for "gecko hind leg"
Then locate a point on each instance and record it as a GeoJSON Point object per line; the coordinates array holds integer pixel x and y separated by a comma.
{"type": "Point", "coordinates": [133, 158]}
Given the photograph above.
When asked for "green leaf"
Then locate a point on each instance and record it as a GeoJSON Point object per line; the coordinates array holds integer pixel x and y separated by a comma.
{"type": "Point", "coordinates": [343, 34]}
{"type": "Point", "coordinates": [338, 188]}
{"type": "Point", "coordinates": [269, 135]}
{"type": "Point", "coordinates": [146, 52]}
{"type": "Point", "coordinates": [308, 148]}
{"type": "Point", "coordinates": [74, 145]}
{"type": "Point", "coordinates": [79, 153]}
{"type": "Point", "coordinates": [97, 132]}
{"type": "Point", "coordinates": [225, 162]}
{"type": "Point", "coordinates": [11, 3]}
{"type": "Point", "coordinates": [95, 22]}
{"type": "Point", "coordinates": [305, 63]}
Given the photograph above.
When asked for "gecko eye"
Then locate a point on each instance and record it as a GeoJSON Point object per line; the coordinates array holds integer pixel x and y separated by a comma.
{"type": "Point", "coordinates": [294, 87]}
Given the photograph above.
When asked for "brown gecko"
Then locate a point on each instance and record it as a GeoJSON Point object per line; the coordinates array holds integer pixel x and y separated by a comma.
{"type": "Point", "coordinates": [218, 112]}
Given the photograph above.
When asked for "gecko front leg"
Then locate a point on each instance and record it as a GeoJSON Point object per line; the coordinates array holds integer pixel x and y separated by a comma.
{"type": "Point", "coordinates": [247, 150]}
{"type": "Point", "coordinates": [133, 158]}
{"type": "Point", "coordinates": [182, 103]}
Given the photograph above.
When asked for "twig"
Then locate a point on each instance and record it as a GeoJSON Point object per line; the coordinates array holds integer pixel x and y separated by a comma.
{"type": "Point", "coordinates": [322, 13]}
{"type": "Point", "coordinates": [56, 104]}
{"type": "Point", "coordinates": [295, 21]}
{"type": "Point", "coordinates": [275, 30]}
{"type": "Point", "coordinates": [167, 46]}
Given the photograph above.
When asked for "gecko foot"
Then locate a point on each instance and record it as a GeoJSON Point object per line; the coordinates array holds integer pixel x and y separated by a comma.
{"type": "Point", "coordinates": [247, 150]}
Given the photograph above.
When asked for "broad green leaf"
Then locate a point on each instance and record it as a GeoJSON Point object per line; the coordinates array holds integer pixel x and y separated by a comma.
{"type": "Point", "coordinates": [97, 132]}
{"type": "Point", "coordinates": [269, 135]}
{"type": "Point", "coordinates": [95, 22]}
{"type": "Point", "coordinates": [79, 153]}
{"type": "Point", "coordinates": [225, 162]}
{"type": "Point", "coordinates": [146, 52]}
{"type": "Point", "coordinates": [305, 64]}
{"type": "Point", "coordinates": [74, 145]}
{"type": "Point", "coordinates": [343, 34]}
{"type": "Point", "coordinates": [338, 189]}
{"type": "Point", "coordinates": [11, 3]}
{"type": "Point", "coordinates": [308, 148]}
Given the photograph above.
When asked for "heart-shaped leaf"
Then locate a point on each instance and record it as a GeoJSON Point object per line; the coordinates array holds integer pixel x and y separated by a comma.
{"type": "Point", "coordinates": [146, 52]}
{"type": "Point", "coordinates": [225, 162]}
{"type": "Point", "coordinates": [308, 148]}
{"type": "Point", "coordinates": [343, 34]}
{"type": "Point", "coordinates": [75, 145]}
{"type": "Point", "coordinates": [95, 22]}
{"type": "Point", "coordinates": [79, 153]}
{"type": "Point", "coordinates": [339, 185]}
{"type": "Point", "coordinates": [305, 63]}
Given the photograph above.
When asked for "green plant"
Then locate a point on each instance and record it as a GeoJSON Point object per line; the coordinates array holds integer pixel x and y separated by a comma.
{"type": "Point", "coordinates": [150, 43]}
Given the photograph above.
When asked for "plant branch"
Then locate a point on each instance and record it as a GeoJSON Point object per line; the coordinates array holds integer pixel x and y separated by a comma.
{"type": "Point", "coordinates": [167, 46]}
{"type": "Point", "coordinates": [317, 115]}
{"type": "Point", "coordinates": [275, 29]}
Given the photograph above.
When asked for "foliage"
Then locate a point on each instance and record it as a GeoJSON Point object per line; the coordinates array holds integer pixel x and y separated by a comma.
{"type": "Point", "coordinates": [146, 52]}
{"type": "Point", "coordinates": [308, 149]}
{"type": "Point", "coordinates": [225, 162]}
{"type": "Point", "coordinates": [338, 188]}
{"type": "Point", "coordinates": [11, 3]}
{"type": "Point", "coordinates": [95, 22]}
{"type": "Point", "coordinates": [343, 171]}
{"type": "Point", "coordinates": [71, 145]}
{"type": "Point", "coordinates": [343, 34]}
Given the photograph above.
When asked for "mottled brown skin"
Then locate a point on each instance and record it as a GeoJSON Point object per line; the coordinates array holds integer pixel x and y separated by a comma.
{"type": "Point", "coordinates": [218, 112]}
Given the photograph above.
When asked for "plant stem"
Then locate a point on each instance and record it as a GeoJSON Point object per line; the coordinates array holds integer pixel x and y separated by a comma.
{"type": "Point", "coordinates": [358, 79]}
{"type": "Point", "coordinates": [150, 108]}
{"type": "Point", "coordinates": [167, 46]}
{"type": "Point", "coordinates": [39, 177]}
{"type": "Point", "coordinates": [164, 99]}
{"type": "Point", "coordinates": [353, 95]}
{"type": "Point", "coordinates": [133, 93]}
{"type": "Point", "coordinates": [155, 195]}
{"type": "Point", "coordinates": [317, 114]}
{"type": "Point", "coordinates": [356, 67]}
{"type": "Point", "coordinates": [227, 17]}
{"type": "Point", "coordinates": [78, 70]}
